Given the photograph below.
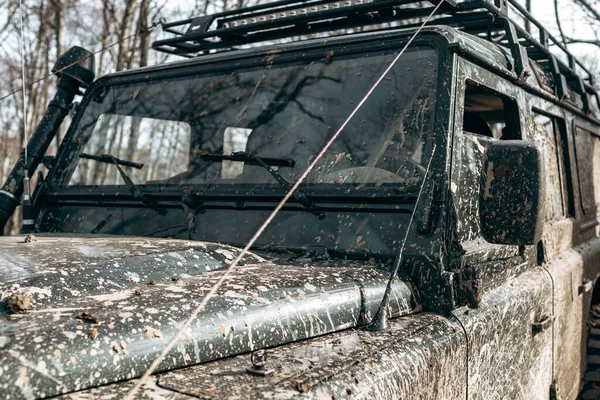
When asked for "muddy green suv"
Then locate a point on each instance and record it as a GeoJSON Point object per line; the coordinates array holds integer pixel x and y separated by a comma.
{"type": "Point", "coordinates": [471, 167]}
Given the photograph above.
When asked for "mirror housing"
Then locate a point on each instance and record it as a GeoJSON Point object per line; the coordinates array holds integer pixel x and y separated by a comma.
{"type": "Point", "coordinates": [512, 193]}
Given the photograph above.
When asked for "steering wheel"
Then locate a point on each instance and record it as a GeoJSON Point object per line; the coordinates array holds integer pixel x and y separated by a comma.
{"type": "Point", "coordinates": [361, 175]}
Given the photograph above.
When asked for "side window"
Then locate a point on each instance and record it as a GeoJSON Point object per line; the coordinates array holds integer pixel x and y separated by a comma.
{"type": "Point", "coordinates": [487, 117]}
{"type": "Point", "coordinates": [587, 153]}
{"type": "Point", "coordinates": [550, 133]}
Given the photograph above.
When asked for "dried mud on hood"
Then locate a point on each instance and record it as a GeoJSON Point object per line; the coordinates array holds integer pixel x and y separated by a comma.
{"type": "Point", "coordinates": [103, 307]}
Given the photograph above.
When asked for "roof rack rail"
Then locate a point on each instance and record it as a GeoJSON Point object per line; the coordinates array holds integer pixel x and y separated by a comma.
{"type": "Point", "coordinates": [290, 18]}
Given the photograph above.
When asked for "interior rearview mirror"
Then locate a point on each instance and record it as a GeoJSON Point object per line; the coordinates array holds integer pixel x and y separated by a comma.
{"type": "Point", "coordinates": [48, 160]}
{"type": "Point", "coordinates": [512, 192]}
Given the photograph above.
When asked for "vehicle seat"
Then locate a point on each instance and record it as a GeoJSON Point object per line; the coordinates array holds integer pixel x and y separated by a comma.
{"type": "Point", "coordinates": [474, 123]}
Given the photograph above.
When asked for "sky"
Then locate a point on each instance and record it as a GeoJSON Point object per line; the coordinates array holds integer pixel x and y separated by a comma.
{"type": "Point", "coordinates": [571, 17]}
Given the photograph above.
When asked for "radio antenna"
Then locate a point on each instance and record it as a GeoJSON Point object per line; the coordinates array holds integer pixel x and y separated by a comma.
{"type": "Point", "coordinates": [26, 210]}
{"type": "Point", "coordinates": [380, 321]}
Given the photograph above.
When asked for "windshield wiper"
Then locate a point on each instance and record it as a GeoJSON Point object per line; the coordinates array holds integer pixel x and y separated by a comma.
{"type": "Point", "coordinates": [245, 157]}
{"type": "Point", "coordinates": [249, 158]}
{"type": "Point", "coordinates": [133, 188]}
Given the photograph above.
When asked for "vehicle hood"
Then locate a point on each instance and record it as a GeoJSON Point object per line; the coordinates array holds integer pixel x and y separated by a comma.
{"type": "Point", "coordinates": [136, 292]}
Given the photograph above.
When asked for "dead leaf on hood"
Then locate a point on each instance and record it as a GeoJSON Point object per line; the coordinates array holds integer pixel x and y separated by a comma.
{"type": "Point", "coordinates": [30, 239]}
{"type": "Point", "coordinates": [303, 386]}
{"type": "Point", "coordinates": [223, 330]}
{"type": "Point", "coordinates": [153, 333]}
{"type": "Point", "coordinates": [90, 318]}
{"type": "Point", "coordinates": [19, 303]}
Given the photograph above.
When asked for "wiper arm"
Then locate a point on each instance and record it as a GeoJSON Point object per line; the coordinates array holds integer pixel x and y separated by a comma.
{"type": "Point", "coordinates": [245, 157]}
{"type": "Point", "coordinates": [133, 188]}
{"type": "Point", "coordinates": [106, 158]}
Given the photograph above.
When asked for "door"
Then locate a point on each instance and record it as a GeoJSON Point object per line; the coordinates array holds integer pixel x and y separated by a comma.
{"type": "Point", "coordinates": [509, 319]}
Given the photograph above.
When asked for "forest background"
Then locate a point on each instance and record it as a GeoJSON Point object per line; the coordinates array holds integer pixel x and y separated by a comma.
{"type": "Point", "coordinates": [121, 27]}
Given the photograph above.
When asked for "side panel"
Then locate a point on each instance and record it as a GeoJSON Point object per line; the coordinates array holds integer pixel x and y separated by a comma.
{"type": "Point", "coordinates": [508, 359]}
{"type": "Point", "coordinates": [571, 309]}
{"type": "Point", "coordinates": [571, 253]}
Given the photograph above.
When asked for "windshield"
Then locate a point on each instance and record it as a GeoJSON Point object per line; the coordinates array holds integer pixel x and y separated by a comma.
{"type": "Point", "coordinates": [280, 111]}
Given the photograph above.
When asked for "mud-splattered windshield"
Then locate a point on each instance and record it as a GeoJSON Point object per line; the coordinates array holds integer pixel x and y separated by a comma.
{"type": "Point", "coordinates": [284, 112]}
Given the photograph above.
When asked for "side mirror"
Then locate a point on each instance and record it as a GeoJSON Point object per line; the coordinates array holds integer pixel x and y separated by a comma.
{"type": "Point", "coordinates": [512, 193]}
{"type": "Point", "coordinates": [77, 64]}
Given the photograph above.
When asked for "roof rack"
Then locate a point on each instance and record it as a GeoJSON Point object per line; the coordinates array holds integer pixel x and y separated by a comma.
{"type": "Point", "coordinates": [283, 19]}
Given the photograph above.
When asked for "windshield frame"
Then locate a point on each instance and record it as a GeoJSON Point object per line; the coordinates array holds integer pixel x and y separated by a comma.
{"type": "Point", "coordinates": [57, 179]}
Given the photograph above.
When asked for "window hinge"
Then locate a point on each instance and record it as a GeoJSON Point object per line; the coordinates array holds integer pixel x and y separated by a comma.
{"type": "Point", "coordinates": [542, 325]}
{"type": "Point", "coordinates": [585, 287]}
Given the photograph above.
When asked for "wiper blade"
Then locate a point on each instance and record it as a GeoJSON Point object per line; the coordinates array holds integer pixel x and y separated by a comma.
{"type": "Point", "coordinates": [106, 158]}
{"type": "Point", "coordinates": [249, 158]}
{"type": "Point", "coordinates": [245, 157]}
{"type": "Point", "coordinates": [133, 188]}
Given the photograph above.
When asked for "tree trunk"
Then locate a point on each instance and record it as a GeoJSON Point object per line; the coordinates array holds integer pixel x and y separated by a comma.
{"type": "Point", "coordinates": [125, 32]}
{"type": "Point", "coordinates": [144, 33]}
{"type": "Point", "coordinates": [58, 9]}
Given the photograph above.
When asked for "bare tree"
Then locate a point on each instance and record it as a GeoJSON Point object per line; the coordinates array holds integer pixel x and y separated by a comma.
{"type": "Point", "coordinates": [590, 9]}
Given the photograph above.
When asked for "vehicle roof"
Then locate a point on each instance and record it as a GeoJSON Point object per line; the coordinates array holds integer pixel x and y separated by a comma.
{"type": "Point", "coordinates": [493, 56]}
{"type": "Point", "coordinates": [452, 36]}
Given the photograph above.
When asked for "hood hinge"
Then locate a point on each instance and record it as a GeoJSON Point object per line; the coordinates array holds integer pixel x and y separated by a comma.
{"type": "Point", "coordinates": [554, 392]}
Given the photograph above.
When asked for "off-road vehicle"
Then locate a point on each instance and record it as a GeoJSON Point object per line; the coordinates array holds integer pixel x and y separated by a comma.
{"type": "Point", "coordinates": [479, 134]}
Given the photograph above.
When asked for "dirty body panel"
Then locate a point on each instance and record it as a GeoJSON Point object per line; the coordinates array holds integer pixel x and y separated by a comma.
{"type": "Point", "coordinates": [136, 301]}
{"type": "Point", "coordinates": [570, 249]}
{"type": "Point", "coordinates": [420, 355]}
{"type": "Point", "coordinates": [510, 340]}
